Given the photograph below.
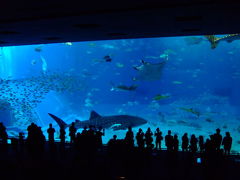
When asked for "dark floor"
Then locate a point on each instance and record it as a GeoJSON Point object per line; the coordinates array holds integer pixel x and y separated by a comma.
{"type": "Point", "coordinates": [69, 163]}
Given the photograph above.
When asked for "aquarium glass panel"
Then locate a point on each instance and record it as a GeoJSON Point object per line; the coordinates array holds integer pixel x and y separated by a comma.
{"type": "Point", "coordinates": [184, 84]}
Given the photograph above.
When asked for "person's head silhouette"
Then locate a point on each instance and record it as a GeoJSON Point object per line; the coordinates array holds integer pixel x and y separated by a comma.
{"type": "Point", "coordinates": [169, 132]}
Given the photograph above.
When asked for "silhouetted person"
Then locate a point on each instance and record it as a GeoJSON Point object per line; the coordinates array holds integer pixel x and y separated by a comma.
{"type": "Point", "coordinates": [78, 140]}
{"type": "Point", "coordinates": [84, 131]}
{"type": "Point", "coordinates": [185, 142]}
{"type": "Point", "coordinates": [159, 138]}
{"type": "Point", "coordinates": [201, 144]}
{"type": "Point", "coordinates": [112, 141]}
{"type": "Point", "coordinates": [212, 144]}
{"type": "Point", "coordinates": [3, 134]}
{"type": "Point", "coordinates": [32, 137]}
{"type": "Point", "coordinates": [62, 135]}
{"type": "Point", "coordinates": [40, 139]}
{"type": "Point", "coordinates": [99, 133]}
{"type": "Point", "coordinates": [84, 135]}
{"type": "Point", "coordinates": [208, 146]}
{"type": "Point", "coordinates": [35, 139]}
{"type": "Point", "coordinates": [227, 143]}
{"type": "Point", "coordinates": [32, 128]}
{"type": "Point", "coordinates": [217, 137]}
{"type": "Point", "coordinates": [193, 143]}
{"type": "Point", "coordinates": [149, 139]}
{"type": "Point", "coordinates": [90, 141]}
{"type": "Point", "coordinates": [175, 143]}
{"type": "Point", "coordinates": [90, 134]}
{"type": "Point", "coordinates": [90, 131]}
{"type": "Point", "coordinates": [51, 132]}
{"type": "Point", "coordinates": [72, 132]}
{"type": "Point", "coordinates": [129, 138]}
{"type": "Point", "coordinates": [112, 145]}
{"type": "Point", "coordinates": [169, 141]}
{"type": "Point", "coordinates": [140, 138]}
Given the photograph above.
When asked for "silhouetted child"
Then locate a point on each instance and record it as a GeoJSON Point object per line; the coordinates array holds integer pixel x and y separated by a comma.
{"type": "Point", "coordinates": [175, 143]}
{"type": "Point", "coordinates": [169, 141]}
{"type": "Point", "coordinates": [227, 143]}
{"type": "Point", "coordinates": [159, 138]}
{"type": "Point", "coordinates": [140, 138]}
{"type": "Point", "coordinates": [72, 132]}
{"type": "Point", "coordinates": [148, 138]}
{"type": "Point", "coordinates": [201, 144]}
{"type": "Point", "coordinates": [185, 142]}
{"type": "Point", "coordinates": [51, 132]}
{"type": "Point", "coordinates": [193, 143]}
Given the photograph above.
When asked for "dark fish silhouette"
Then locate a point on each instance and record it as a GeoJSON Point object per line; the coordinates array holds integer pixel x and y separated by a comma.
{"type": "Point", "coordinates": [123, 87]}
{"type": "Point", "coordinates": [107, 58]}
{"type": "Point", "coordinates": [38, 49]}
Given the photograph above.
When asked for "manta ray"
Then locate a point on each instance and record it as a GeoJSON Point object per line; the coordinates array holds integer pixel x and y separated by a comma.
{"type": "Point", "coordinates": [149, 71]}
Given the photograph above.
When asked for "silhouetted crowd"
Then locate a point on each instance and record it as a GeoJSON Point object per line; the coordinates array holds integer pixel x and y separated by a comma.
{"type": "Point", "coordinates": [91, 139]}
{"type": "Point", "coordinates": [192, 144]}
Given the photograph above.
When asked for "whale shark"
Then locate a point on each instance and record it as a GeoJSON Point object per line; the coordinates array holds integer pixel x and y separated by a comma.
{"type": "Point", "coordinates": [115, 122]}
{"type": "Point", "coordinates": [149, 71]}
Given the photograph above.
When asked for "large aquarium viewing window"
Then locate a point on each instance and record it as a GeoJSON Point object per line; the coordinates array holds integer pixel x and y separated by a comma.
{"type": "Point", "coordinates": [184, 84]}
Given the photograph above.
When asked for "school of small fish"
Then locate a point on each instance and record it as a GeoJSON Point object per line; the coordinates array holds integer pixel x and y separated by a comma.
{"type": "Point", "coordinates": [21, 96]}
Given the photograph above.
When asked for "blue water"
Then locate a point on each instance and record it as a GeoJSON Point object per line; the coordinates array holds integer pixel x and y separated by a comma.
{"type": "Point", "coordinates": [74, 79]}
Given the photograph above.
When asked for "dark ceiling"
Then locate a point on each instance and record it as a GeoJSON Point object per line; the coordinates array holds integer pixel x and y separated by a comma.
{"type": "Point", "coordinates": [49, 21]}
